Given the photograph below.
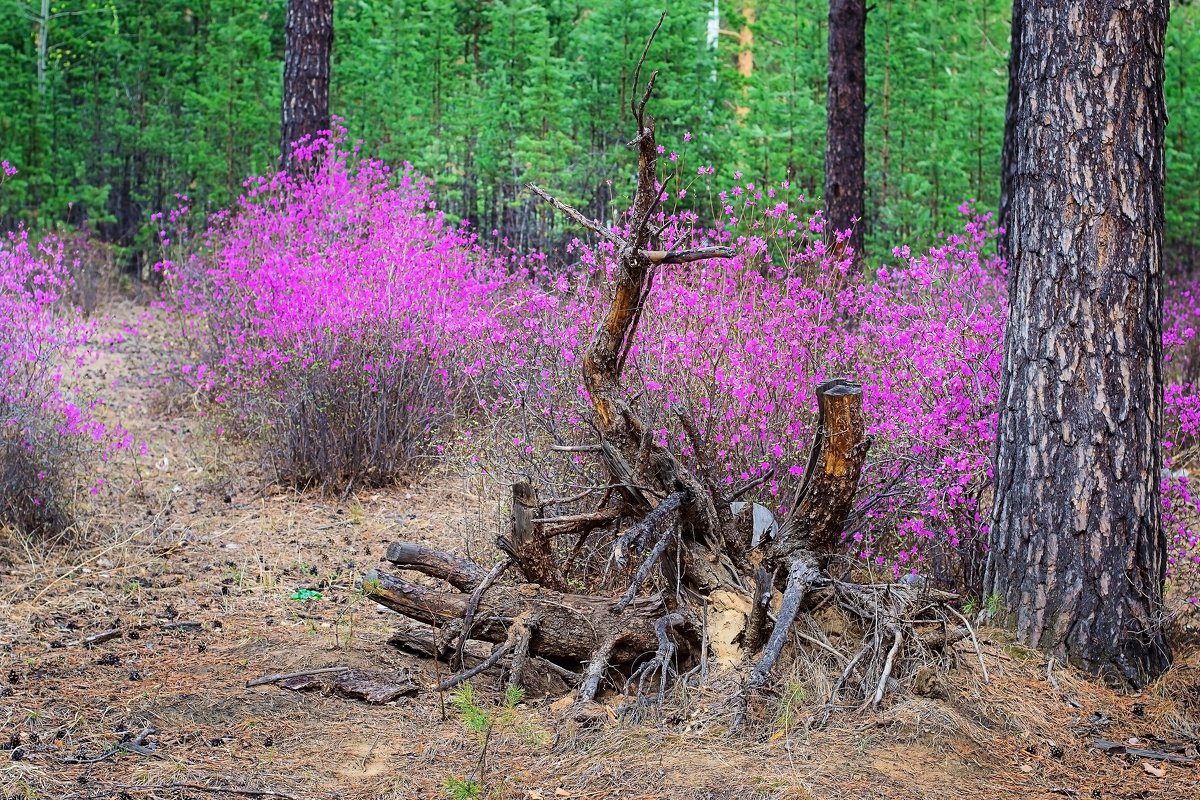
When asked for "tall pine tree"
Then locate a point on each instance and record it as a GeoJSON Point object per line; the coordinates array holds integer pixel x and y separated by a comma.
{"type": "Point", "coordinates": [1077, 546]}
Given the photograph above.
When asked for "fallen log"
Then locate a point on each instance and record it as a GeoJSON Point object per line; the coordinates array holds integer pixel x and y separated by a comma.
{"type": "Point", "coordinates": [571, 627]}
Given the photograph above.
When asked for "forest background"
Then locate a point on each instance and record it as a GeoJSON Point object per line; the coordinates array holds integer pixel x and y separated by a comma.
{"type": "Point", "coordinates": [109, 108]}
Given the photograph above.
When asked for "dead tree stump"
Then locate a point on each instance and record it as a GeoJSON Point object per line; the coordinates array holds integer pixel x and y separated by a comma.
{"type": "Point", "coordinates": [672, 525]}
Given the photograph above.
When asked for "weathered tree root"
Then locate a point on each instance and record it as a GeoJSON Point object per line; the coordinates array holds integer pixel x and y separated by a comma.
{"type": "Point", "coordinates": [661, 662]}
{"type": "Point", "coordinates": [803, 577]}
{"type": "Point", "coordinates": [591, 634]}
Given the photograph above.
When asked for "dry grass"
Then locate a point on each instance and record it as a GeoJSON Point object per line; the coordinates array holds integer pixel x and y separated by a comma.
{"type": "Point", "coordinates": [200, 538]}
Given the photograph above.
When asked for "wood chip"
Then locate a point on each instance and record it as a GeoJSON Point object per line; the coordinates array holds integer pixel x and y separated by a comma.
{"type": "Point", "coordinates": [374, 686]}
{"type": "Point", "coordinates": [100, 638]}
{"type": "Point", "coordinates": [1118, 749]}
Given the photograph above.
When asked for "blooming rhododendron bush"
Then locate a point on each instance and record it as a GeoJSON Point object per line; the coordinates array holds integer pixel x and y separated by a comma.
{"type": "Point", "coordinates": [344, 322]}
{"type": "Point", "coordinates": [330, 316]}
{"type": "Point", "coordinates": [1181, 445]}
{"type": "Point", "coordinates": [50, 436]}
{"type": "Point", "coordinates": [738, 345]}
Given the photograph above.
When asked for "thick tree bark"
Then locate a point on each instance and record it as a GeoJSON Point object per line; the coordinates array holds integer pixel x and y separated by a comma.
{"type": "Point", "coordinates": [307, 49]}
{"type": "Point", "coordinates": [1077, 546]}
{"type": "Point", "coordinates": [846, 120]}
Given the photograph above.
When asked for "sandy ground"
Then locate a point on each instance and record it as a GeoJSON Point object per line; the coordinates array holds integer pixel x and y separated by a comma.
{"type": "Point", "coordinates": [194, 559]}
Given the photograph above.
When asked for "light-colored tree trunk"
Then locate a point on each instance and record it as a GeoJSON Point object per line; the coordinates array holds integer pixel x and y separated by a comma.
{"type": "Point", "coordinates": [43, 40]}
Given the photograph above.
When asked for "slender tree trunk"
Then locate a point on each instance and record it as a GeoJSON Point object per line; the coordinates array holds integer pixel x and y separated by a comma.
{"type": "Point", "coordinates": [745, 55]}
{"type": "Point", "coordinates": [1077, 546]}
{"type": "Point", "coordinates": [745, 58]}
{"type": "Point", "coordinates": [43, 46]}
{"type": "Point", "coordinates": [1008, 156]}
{"type": "Point", "coordinates": [846, 120]}
{"type": "Point", "coordinates": [307, 50]}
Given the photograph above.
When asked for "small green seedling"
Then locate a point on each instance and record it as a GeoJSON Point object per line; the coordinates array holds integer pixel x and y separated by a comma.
{"type": "Point", "coordinates": [483, 722]}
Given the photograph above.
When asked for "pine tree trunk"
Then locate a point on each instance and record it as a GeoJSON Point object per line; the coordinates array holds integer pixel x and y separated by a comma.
{"type": "Point", "coordinates": [846, 119]}
{"type": "Point", "coordinates": [1008, 156]}
{"type": "Point", "coordinates": [1077, 546]}
{"type": "Point", "coordinates": [307, 50]}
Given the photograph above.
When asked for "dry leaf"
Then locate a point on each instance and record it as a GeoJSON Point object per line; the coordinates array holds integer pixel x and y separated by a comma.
{"type": "Point", "coordinates": [561, 793]}
{"type": "Point", "coordinates": [1156, 771]}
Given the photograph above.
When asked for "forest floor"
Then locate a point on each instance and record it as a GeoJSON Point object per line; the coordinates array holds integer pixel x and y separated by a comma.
{"type": "Point", "coordinates": [195, 564]}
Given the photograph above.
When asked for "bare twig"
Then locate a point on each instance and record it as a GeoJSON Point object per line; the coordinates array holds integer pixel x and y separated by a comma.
{"type": "Point", "coordinates": [978, 652]}
{"type": "Point", "coordinates": [134, 745]}
{"type": "Point", "coordinates": [575, 498]}
{"type": "Point", "coordinates": [283, 676]}
{"type": "Point", "coordinates": [573, 520]}
{"type": "Point", "coordinates": [837, 685]}
{"type": "Point", "coordinates": [575, 448]}
{"type": "Point", "coordinates": [754, 484]}
{"type": "Point", "coordinates": [827, 648]}
{"type": "Point", "coordinates": [473, 606]}
{"type": "Point", "coordinates": [99, 638]}
{"type": "Point", "coordinates": [897, 639]}
{"type": "Point", "coordinates": [637, 76]}
{"type": "Point", "coordinates": [1120, 749]}
{"type": "Point", "coordinates": [643, 572]}
{"type": "Point", "coordinates": [487, 663]}
{"type": "Point", "coordinates": [577, 215]}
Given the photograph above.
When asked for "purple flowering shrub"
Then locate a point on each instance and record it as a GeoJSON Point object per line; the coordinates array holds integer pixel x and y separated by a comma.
{"type": "Point", "coordinates": [737, 347]}
{"type": "Point", "coordinates": [329, 315]}
{"type": "Point", "coordinates": [49, 432]}
{"type": "Point", "coordinates": [1181, 429]}
{"type": "Point", "coordinates": [344, 322]}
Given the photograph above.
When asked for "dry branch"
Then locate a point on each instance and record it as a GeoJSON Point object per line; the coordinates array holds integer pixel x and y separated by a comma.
{"type": "Point", "coordinates": [283, 676]}
{"type": "Point", "coordinates": [458, 572]}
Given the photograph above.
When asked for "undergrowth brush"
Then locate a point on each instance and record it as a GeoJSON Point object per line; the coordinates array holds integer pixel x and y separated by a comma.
{"type": "Point", "coordinates": [51, 437]}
